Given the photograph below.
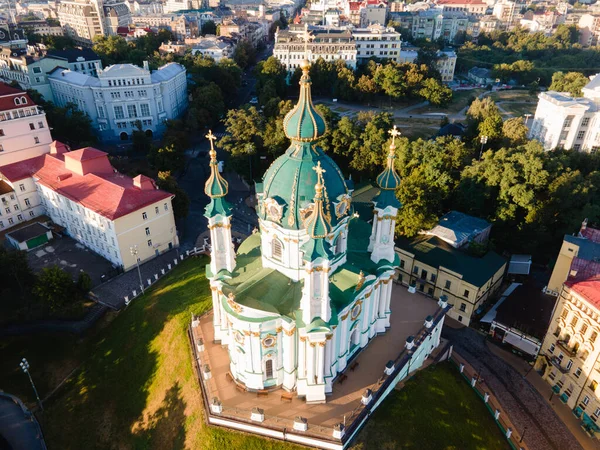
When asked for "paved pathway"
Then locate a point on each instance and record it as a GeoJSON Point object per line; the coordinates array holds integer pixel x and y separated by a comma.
{"type": "Point", "coordinates": [524, 404]}
{"type": "Point", "coordinates": [18, 427]}
{"type": "Point", "coordinates": [113, 292]}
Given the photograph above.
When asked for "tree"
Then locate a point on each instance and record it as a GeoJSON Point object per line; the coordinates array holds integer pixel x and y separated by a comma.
{"type": "Point", "coordinates": [18, 279]}
{"type": "Point", "coordinates": [140, 140]}
{"type": "Point", "coordinates": [84, 283]}
{"type": "Point", "coordinates": [166, 159]}
{"type": "Point", "coordinates": [111, 49]}
{"type": "Point", "coordinates": [209, 27]}
{"type": "Point", "coordinates": [571, 82]}
{"type": "Point", "coordinates": [55, 288]}
{"type": "Point", "coordinates": [58, 42]}
{"type": "Point", "coordinates": [371, 154]}
{"type": "Point", "coordinates": [69, 125]}
{"type": "Point", "coordinates": [515, 131]}
{"type": "Point", "coordinates": [435, 92]}
{"type": "Point", "coordinates": [244, 54]}
{"type": "Point", "coordinates": [181, 202]}
{"type": "Point", "coordinates": [391, 80]}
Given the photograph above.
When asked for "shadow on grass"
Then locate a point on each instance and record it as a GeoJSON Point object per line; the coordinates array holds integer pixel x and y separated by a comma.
{"type": "Point", "coordinates": [130, 364]}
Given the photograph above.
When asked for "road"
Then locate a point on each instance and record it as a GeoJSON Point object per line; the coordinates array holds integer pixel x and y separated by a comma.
{"type": "Point", "coordinates": [197, 169]}
{"type": "Point", "coordinates": [526, 407]}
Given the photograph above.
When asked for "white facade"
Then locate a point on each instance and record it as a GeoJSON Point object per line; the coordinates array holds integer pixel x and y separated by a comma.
{"type": "Point", "coordinates": [330, 45]}
{"type": "Point", "coordinates": [124, 95]}
{"type": "Point", "coordinates": [445, 64]}
{"type": "Point", "coordinates": [19, 201]}
{"type": "Point", "coordinates": [564, 121]}
{"type": "Point", "coordinates": [24, 131]}
{"type": "Point", "coordinates": [377, 41]}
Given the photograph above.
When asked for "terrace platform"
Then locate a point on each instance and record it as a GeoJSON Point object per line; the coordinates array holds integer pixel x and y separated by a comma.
{"type": "Point", "coordinates": [344, 404]}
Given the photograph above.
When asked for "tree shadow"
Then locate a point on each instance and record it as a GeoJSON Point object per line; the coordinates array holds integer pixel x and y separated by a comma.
{"type": "Point", "coordinates": [165, 429]}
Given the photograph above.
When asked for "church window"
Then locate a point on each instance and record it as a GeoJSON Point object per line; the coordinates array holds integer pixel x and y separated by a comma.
{"type": "Point", "coordinates": [269, 341]}
{"type": "Point", "coordinates": [269, 368]}
{"type": "Point", "coordinates": [338, 244]}
{"type": "Point", "coordinates": [356, 311]}
{"type": "Point", "coordinates": [276, 249]}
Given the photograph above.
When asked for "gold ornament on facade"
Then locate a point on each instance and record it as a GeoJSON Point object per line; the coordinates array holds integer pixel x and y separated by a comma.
{"type": "Point", "coordinates": [255, 333]}
{"type": "Point", "coordinates": [290, 332]}
{"type": "Point", "coordinates": [278, 329]}
{"type": "Point", "coordinates": [356, 310]}
{"type": "Point", "coordinates": [305, 213]}
{"type": "Point", "coordinates": [269, 341]}
{"type": "Point", "coordinates": [232, 304]}
{"type": "Point", "coordinates": [274, 209]}
{"type": "Point", "coordinates": [361, 281]}
{"type": "Point", "coordinates": [313, 344]}
{"type": "Point", "coordinates": [302, 338]}
{"type": "Point", "coordinates": [246, 332]}
{"type": "Point", "coordinates": [321, 344]}
{"type": "Point", "coordinates": [292, 215]}
{"type": "Point", "coordinates": [345, 316]}
{"type": "Point", "coordinates": [329, 336]}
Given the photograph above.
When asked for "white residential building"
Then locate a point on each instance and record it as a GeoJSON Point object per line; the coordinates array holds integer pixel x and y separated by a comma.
{"type": "Point", "coordinates": [377, 41]}
{"type": "Point", "coordinates": [24, 131]}
{"type": "Point", "coordinates": [124, 96]}
{"type": "Point", "coordinates": [330, 45]}
{"type": "Point", "coordinates": [213, 47]}
{"type": "Point", "coordinates": [562, 120]}
{"type": "Point", "coordinates": [445, 64]}
{"type": "Point", "coordinates": [104, 210]}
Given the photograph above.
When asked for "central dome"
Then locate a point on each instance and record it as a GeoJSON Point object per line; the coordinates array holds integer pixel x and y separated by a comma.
{"type": "Point", "coordinates": [290, 182]}
{"type": "Point", "coordinates": [304, 123]}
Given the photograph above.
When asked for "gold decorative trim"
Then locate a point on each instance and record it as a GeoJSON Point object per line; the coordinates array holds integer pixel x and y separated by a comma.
{"type": "Point", "coordinates": [213, 288]}
{"type": "Point", "coordinates": [318, 269]}
{"type": "Point", "coordinates": [219, 225]}
{"type": "Point", "coordinates": [345, 316]}
{"type": "Point", "coordinates": [329, 336]}
{"type": "Point", "coordinates": [270, 336]}
{"type": "Point", "coordinates": [246, 332]}
{"type": "Point", "coordinates": [333, 327]}
{"type": "Point", "coordinates": [313, 344]}
{"type": "Point", "coordinates": [302, 338]}
{"type": "Point", "coordinates": [290, 332]}
{"type": "Point", "coordinates": [358, 304]}
{"type": "Point", "coordinates": [278, 329]}
{"type": "Point", "coordinates": [232, 304]}
{"type": "Point", "coordinates": [321, 344]}
{"type": "Point", "coordinates": [255, 333]}
{"type": "Point", "coordinates": [292, 214]}
{"type": "Point", "coordinates": [361, 281]}
{"type": "Point", "coordinates": [368, 294]}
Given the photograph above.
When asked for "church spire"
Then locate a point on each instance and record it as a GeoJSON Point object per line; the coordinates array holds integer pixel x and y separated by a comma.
{"type": "Point", "coordinates": [216, 186]}
{"type": "Point", "coordinates": [318, 224]}
{"type": "Point", "coordinates": [389, 179]}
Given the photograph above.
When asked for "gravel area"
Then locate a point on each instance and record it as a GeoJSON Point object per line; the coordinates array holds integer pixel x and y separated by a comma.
{"type": "Point", "coordinates": [524, 404]}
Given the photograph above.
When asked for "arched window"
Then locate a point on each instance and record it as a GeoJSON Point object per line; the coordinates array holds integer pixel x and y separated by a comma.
{"type": "Point", "coordinates": [339, 243]}
{"type": "Point", "coordinates": [269, 368]}
{"type": "Point", "coordinates": [276, 249]}
{"type": "Point", "coordinates": [354, 336]}
{"type": "Point", "coordinates": [23, 101]}
{"type": "Point", "coordinates": [17, 101]}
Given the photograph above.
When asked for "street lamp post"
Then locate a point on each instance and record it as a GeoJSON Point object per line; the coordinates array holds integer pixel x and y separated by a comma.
{"type": "Point", "coordinates": [134, 252]}
{"type": "Point", "coordinates": [483, 141]}
{"type": "Point", "coordinates": [25, 368]}
{"type": "Point", "coordinates": [523, 435]}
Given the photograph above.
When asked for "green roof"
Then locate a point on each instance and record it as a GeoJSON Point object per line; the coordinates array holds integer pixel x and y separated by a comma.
{"type": "Point", "coordinates": [435, 252]}
{"type": "Point", "coordinates": [268, 290]}
{"type": "Point", "coordinates": [217, 206]}
{"type": "Point", "coordinates": [304, 123]}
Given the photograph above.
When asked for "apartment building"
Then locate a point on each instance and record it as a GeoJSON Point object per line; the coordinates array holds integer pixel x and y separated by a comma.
{"type": "Point", "coordinates": [437, 262]}
{"type": "Point", "coordinates": [377, 41]}
{"type": "Point", "coordinates": [564, 121]}
{"type": "Point", "coordinates": [446, 64]}
{"type": "Point", "coordinates": [124, 96]}
{"type": "Point", "coordinates": [331, 45]}
{"type": "Point", "coordinates": [589, 29]}
{"type": "Point", "coordinates": [24, 131]}
{"type": "Point", "coordinates": [104, 210]}
{"type": "Point", "coordinates": [475, 8]}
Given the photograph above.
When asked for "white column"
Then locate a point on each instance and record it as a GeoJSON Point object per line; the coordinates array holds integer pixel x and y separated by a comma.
{"type": "Point", "coordinates": [334, 350]}
{"type": "Point", "coordinates": [382, 300]}
{"type": "Point", "coordinates": [216, 312]}
{"type": "Point", "coordinates": [279, 348]}
{"type": "Point", "coordinates": [366, 317]}
{"type": "Point", "coordinates": [329, 344]}
{"type": "Point", "coordinates": [302, 357]}
{"type": "Point", "coordinates": [373, 309]}
{"type": "Point", "coordinates": [310, 363]}
{"type": "Point", "coordinates": [249, 352]}
{"type": "Point", "coordinates": [373, 231]}
{"type": "Point", "coordinates": [320, 362]}
{"type": "Point", "coordinates": [289, 349]}
{"type": "Point", "coordinates": [378, 235]}
{"type": "Point", "coordinates": [256, 353]}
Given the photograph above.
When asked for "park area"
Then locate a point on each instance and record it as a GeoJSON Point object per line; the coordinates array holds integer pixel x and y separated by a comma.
{"type": "Point", "coordinates": [130, 384]}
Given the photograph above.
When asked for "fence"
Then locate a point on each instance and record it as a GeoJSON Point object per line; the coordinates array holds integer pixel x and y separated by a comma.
{"type": "Point", "coordinates": [500, 416]}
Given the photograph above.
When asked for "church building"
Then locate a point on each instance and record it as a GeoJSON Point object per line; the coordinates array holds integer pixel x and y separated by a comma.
{"type": "Point", "coordinates": [308, 291]}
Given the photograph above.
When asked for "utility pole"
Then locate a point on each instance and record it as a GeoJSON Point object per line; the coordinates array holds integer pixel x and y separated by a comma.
{"type": "Point", "coordinates": [25, 368]}
{"type": "Point", "coordinates": [483, 141]}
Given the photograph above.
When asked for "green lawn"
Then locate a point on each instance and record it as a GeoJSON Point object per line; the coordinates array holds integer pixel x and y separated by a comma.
{"type": "Point", "coordinates": [436, 409]}
{"type": "Point", "coordinates": [135, 388]}
{"type": "Point", "coordinates": [459, 101]}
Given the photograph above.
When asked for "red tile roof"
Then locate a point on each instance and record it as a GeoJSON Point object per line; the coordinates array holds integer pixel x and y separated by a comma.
{"type": "Point", "coordinates": [460, 2]}
{"type": "Point", "coordinates": [112, 195]}
{"type": "Point", "coordinates": [8, 95]}
{"type": "Point", "coordinates": [591, 233]}
{"type": "Point", "coordinates": [589, 289]}
{"type": "Point", "coordinates": [85, 154]}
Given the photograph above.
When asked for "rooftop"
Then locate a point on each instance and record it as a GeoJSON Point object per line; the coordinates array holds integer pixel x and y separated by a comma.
{"type": "Point", "coordinates": [457, 228]}
{"type": "Point", "coordinates": [112, 194]}
{"type": "Point", "coordinates": [527, 309]}
{"type": "Point", "coordinates": [588, 288]}
{"type": "Point", "coordinates": [8, 95]}
{"type": "Point", "coordinates": [73, 77]}
{"type": "Point", "coordinates": [29, 232]}
{"type": "Point", "coordinates": [436, 253]}
{"type": "Point", "coordinates": [72, 55]}
{"type": "Point", "coordinates": [588, 249]}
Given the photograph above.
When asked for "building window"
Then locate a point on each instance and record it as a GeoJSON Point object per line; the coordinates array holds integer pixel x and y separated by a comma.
{"type": "Point", "coordinates": [580, 134]}
{"type": "Point", "coordinates": [36, 139]}
{"type": "Point", "coordinates": [1, 132]}
{"type": "Point", "coordinates": [585, 122]}
{"type": "Point", "coordinates": [593, 337]}
{"type": "Point", "coordinates": [568, 121]}
{"type": "Point", "coordinates": [564, 312]}
{"type": "Point", "coordinates": [448, 284]}
{"type": "Point", "coordinates": [31, 126]}
{"type": "Point", "coordinates": [22, 187]}
{"type": "Point", "coordinates": [597, 412]}
{"type": "Point", "coordinates": [569, 364]}
{"type": "Point", "coordinates": [276, 249]}
{"type": "Point", "coordinates": [584, 328]}
{"type": "Point", "coordinates": [144, 216]}
{"type": "Point", "coordinates": [156, 209]}
{"type": "Point", "coordinates": [16, 207]}
{"type": "Point", "coordinates": [433, 277]}
{"type": "Point", "coordinates": [147, 231]}
{"type": "Point", "coordinates": [20, 217]}
{"type": "Point", "coordinates": [10, 221]}
{"type": "Point", "coordinates": [574, 321]}
{"type": "Point", "coordinates": [415, 270]}
{"type": "Point", "coordinates": [131, 111]}
{"type": "Point", "coordinates": [31, 213]}
{"type": "Point", "coordinates": [40, 124]}
{"type": "Point", "coordinates": [269, 368]}
{"type": "Point", "coordinates": [593, 385]}
{"type": "Point", "coordinates": [578, 372]}
{"type": "Point", "coordinates": [166, 207]}
{"type": "Point", "coordinates": [463, 307]}
{"type": "Point", "coordinates": [551, 349]}
{"type": "Point", "coordinates": [1, 148]}
{"type": "Point", "coordinates": [1, 224]}
{"type": "Point", "coordinates": [466, 294]}
{"type": "Point", "coordinates": [145, 109]}
{"type": "Point", "coordinates": [460, 318]}
{"type": "Point", "coordinates": [149, 242]}
{"type": "Point", "coordinates": [119, 112]}
{"type": "Point", "coordinates": [27, 202]}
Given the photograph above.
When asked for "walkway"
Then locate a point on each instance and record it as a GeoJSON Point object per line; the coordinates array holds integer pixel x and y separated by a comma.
{"type": "Point", "coordinates": [18, 427]}
{"type": "Point", "coordinates": [545, 390]}
{"type": "Point", "coordinates": [527, 408]}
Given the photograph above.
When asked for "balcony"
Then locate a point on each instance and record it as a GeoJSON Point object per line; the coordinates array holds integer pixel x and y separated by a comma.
{"type": "Point", "coordinates": [557, 363]}
{"type": "Point", "coordinates": [569, 351]}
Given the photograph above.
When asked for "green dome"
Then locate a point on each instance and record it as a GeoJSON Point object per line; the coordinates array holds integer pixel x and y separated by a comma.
{"type": "Point", "coordinates": [304, 123]}
{"type": "Point", "coordinates": [290, 182]}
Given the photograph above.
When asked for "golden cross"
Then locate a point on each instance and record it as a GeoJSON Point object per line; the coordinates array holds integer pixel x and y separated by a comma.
{"type": "Point", "coordinates": [211, 137]}
{"type": "Point", "coordinates": [394, 132]}
{"type": "Point", "coordinates": [320, 171]}
{"type": "Point", "coordinates": [306, 37]}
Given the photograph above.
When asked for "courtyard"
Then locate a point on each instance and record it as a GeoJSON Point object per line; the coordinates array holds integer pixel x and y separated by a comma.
{"type": "Point", "coordinates": [130, 381]}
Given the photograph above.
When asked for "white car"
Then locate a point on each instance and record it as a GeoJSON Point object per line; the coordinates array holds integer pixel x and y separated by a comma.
{"type": "Point", "coordinates": [254, 101]}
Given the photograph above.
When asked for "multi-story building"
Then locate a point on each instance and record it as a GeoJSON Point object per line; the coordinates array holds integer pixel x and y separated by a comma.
{"type": "Point", "coordinates": [373, 12]}
{"type": "Point", "coordinates": [104, 210]}
{"type": "Point", "coordinates": [124, 97]}
{"type": "Point", "coordinates": [564, 121]}
{"type": "Point", "coordinates": [472, 7]}
{"type": "Point", "coordinates": [436, 263]}
{"type": "Point", "coordinates": [41, 27]}
{"type": "Point", "coordinates": [213, 47]}
{"type": "Point", "coordinates": [24, 131]}
{"type": "Point", "coordinates": [31, 72]}
{"type": "Point", "coordinates": [435, 23]}
{"type": "Point", "coordinates": [144, 7]}
{"type": "Point", "coordinates": [377, 41]}
{"type": "Point", "coordinates": [589, 29]}
{"type": "Point", "coordinates": [445, 64]}
{"type": "Point", "coordinates": [508, 12]}
{"type": "Point", "coordinates": [82, 20]}
{"type": "Point", "coordinates": [331, 45]}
